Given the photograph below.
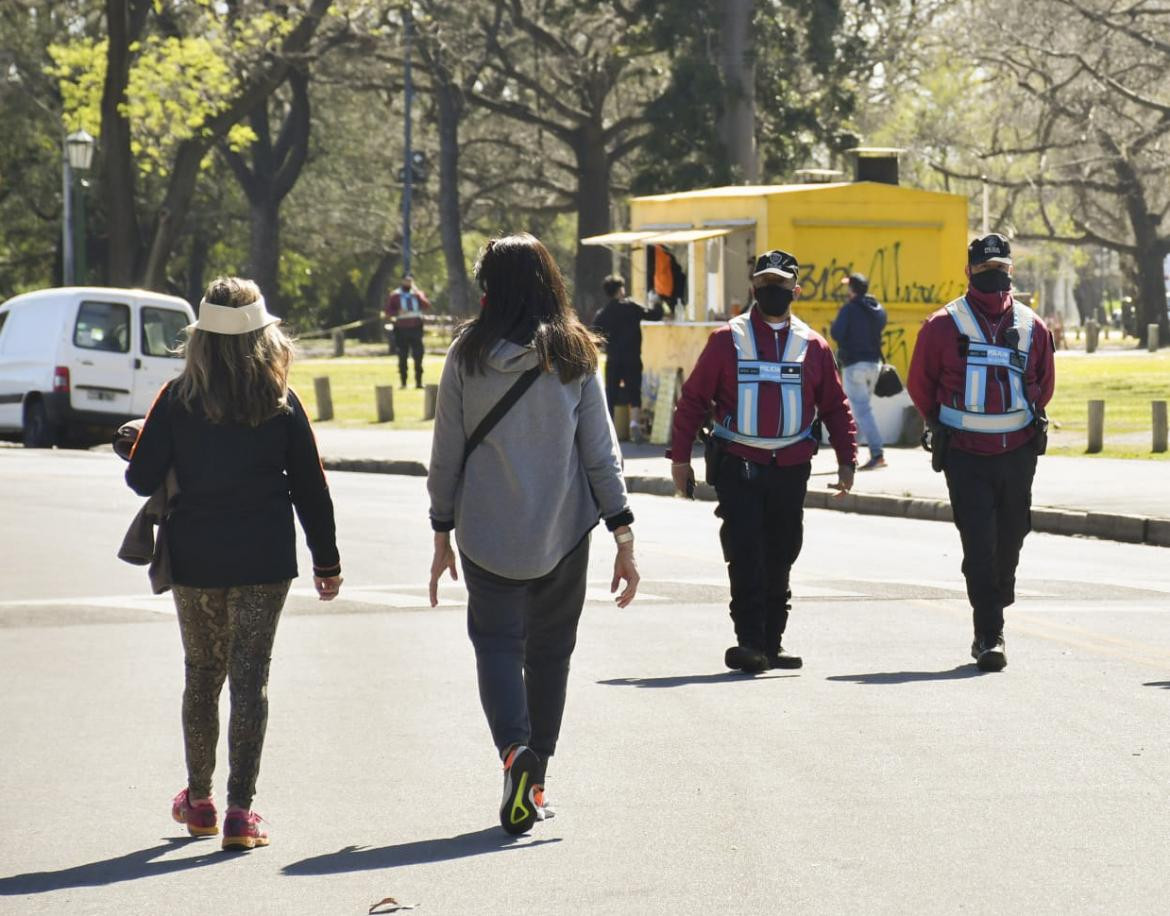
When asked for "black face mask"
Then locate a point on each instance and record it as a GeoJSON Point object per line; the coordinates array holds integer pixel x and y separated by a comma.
{"type": "Point", "coordinates": [992, 281]}
{"type": "Point", "coordinates": [774, 300]}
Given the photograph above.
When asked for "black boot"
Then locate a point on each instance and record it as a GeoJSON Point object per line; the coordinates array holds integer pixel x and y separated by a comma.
{"type": "Point", "coordinates": [746, 659]}
{"type": "Point", "coordinates": [782, 659]}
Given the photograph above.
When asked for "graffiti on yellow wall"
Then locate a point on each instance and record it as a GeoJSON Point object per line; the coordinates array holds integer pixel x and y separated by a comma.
{"type": "Point", "coordinates": [890, 280]}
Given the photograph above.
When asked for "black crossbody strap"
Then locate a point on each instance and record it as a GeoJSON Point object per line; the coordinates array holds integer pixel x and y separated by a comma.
{"type": "Point", "coordinates": [501, 407]}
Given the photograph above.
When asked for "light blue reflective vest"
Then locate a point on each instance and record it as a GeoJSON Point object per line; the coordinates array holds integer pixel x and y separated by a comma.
{"type": "Point", "coordinates": [982, 357]}
{"type": "Point", "coordinates": [751, 372]}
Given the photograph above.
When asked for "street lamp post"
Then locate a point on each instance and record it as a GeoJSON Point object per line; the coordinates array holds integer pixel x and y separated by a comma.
{"type": "Point", "coordinates": [408, 171]}
{"type": "Point", "coordinates": [77, 157]}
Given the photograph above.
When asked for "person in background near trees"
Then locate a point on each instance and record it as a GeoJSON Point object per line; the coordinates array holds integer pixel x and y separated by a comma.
{"type": "Point", "coordinates": [523, 505]}
{"type": "Point", "coordinates": [858, 331]}
{"type": "Point", "coordinates": [619, 321]}
{"type": "Point", "coordinates": [244, 458]}
{"type": "Point", "coordinates": [981, 375]}
{"type": "Point", "coordinates": [770, 382]}
{"type": "Point", "coordinates": [405, 308]}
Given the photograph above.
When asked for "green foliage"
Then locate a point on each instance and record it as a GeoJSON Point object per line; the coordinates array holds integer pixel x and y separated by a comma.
{"type": "Point", "coordinates": [177, 83]}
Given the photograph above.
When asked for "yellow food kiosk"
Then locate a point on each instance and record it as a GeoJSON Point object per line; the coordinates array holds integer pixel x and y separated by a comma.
{"type": "Point", "coordinates": [909, 242]}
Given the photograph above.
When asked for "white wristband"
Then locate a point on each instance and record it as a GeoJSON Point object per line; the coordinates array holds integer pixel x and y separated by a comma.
{"type": "Point", "coordinates": [625, 537]}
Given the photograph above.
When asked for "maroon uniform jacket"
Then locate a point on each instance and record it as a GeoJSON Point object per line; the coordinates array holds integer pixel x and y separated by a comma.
{"type": "Point", "coordinates": [407, 318]}
{"type": "Point", "coordinates": [938, 371]}
{"type": "Point", "coordinates": [712, 383]}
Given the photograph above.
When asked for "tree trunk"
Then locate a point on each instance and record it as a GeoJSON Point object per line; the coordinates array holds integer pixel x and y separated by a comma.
{"type": "Point", "coordinates": [197, 266]}
{"type": "Point", "coordinates": [379, 282]}
{"type": "Point", "coordinates": [125, 22]}
{"type": "Point", "coordinates": [593, 217]}
{"type": "Point", "coordinates": [737, 63]}
{"type": "Point", "coordinates": [450, 107]}
{"type": "Point", "coordinates": [168, 222]}
{"type": "Point", "coordinates": [264, 251]}
{"type": "Point", "coordinates": [1150, 250]}
{"type": "Point", "coordinates": [1150, 307]}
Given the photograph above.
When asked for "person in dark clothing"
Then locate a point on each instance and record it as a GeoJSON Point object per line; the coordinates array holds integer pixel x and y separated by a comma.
{"type": "Point", "coordinates": [244, 457]}
{"type": "Point", "coordinates": [405, 308]}
{"type": "Point", "coordinates": [769, 380]}
{"type": "Point", "coordinates": [858, 331]}
{"type": "Point", "coordinates": [981, 375]}
{"type": "Point", "coordinates": [619, 321]}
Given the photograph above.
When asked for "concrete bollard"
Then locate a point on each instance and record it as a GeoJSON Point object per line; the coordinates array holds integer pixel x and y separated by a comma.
{"type": "Point", "coordinates": [324, 397]}
{"type": "Point", "coordinates": [384, 401]}
{"type": "Point", "coordinates": [1092, 330]}
{"type": "Point", "coordinates": [1152, 338]}
{"type": "Point", "coordinates": [430, 400]}
{"type": "Point", "coordinates": [1096, 426]}
{"type": "Point", "coordinates": [1158, 409]}
{"type": "Point", "coordinates": [339, 343]}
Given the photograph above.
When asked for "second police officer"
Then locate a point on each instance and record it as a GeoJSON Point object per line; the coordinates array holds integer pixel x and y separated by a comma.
{"type": "Point", "coordinates": [770, 381]}
{"type": "Point", "coordinates": [981, 375]}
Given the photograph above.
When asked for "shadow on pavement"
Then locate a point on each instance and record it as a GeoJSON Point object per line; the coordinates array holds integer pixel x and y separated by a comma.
{"type": "Point", "coordinates": [362, 858]}
{"type": "Point", "coordinates": [130, 867]}
{"type": "Point", "coordinates": [1163, 684]}
{"type": "Point", "coordinates": [683, 680]}
{"type": "Point", "coordinates": [908, 677]}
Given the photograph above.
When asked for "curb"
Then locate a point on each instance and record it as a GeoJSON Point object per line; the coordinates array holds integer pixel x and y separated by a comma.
{"type": "Point", "coordinates": [375, 466]}
{"type": "Point", "coordinates": [1128, 529]}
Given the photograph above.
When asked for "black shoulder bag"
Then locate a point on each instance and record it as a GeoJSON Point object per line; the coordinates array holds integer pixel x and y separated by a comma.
{"type": "Point", "coordinates": [501, 407]}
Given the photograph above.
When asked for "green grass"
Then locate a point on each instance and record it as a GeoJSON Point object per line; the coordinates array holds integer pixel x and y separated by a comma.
{"type": "Point", "coordinates": [1126, 383]}
{"type": "Point", "coordinates": [352, 380]}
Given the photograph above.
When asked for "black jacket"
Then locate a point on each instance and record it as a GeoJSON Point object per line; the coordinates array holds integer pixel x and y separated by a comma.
{"type": "Point", "coordinates": [232, 522]}
{"type": "Point", "coordinates": [619, 321]}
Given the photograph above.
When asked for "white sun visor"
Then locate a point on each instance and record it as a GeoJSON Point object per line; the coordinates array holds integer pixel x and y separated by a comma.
{"type": "Point", "coordinates": [226, 319]}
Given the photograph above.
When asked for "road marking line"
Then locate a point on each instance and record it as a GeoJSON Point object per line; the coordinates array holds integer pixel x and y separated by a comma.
{"type": "Point", "coordinates": [380, 598]}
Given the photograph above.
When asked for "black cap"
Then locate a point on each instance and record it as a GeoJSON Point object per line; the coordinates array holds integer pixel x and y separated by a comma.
{"type": "Point", "coordinates": [857, 282]}
{"type": "Point", "coordinates": [776, 262]}
{"type": "Point", "coordinates": [993, 247]}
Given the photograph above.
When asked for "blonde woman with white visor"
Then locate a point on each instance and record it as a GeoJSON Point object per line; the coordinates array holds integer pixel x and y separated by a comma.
{"type": "Point", "coordinates": [244, 458]}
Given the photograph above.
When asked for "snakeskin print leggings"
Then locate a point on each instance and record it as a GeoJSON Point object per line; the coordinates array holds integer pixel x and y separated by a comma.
{"type": "Point", "coordinates": [227, 632]}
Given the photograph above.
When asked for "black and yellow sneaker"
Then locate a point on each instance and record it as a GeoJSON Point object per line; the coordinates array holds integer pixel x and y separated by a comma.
{"type": "Point", "coordinates": [989, 654]}
{"type": "Point", "coordinates": [519, 810]}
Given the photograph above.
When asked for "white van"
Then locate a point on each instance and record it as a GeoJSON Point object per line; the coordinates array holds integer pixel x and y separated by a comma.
{"type": "Point", "coordinates": [76, 358]}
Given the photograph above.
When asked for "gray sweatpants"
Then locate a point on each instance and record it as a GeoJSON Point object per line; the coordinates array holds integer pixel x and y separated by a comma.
{"type": "Point", "coordinates": [524, 631]}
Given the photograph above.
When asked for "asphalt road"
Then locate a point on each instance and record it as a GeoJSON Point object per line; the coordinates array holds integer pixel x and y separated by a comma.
{"type": "Point", "coordinates": [887, 776]}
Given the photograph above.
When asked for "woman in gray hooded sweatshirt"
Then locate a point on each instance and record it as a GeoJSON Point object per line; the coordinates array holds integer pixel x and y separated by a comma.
{"type": "Point", "coordinates": [523, 502]}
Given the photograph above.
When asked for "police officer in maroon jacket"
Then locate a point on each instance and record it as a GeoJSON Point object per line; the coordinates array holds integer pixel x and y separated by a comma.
{"type": "Point", "coordinates": [981, 375]}
{"type": "Point", "coordinates": [770, 382]}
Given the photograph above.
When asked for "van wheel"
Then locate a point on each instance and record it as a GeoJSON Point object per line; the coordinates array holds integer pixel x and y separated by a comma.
{"type": "Point", "coordinates": [37, 431]}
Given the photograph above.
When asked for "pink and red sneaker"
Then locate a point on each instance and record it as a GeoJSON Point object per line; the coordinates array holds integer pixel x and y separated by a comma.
{"type": "Point", "coordinates": [242, 830]}
{"type": "Point", "coordinates": [201, 819]}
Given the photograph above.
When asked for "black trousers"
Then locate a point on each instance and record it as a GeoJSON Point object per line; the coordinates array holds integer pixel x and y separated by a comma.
{"type": "Point", "coordinates": [991, 499]}
{"type": "Point", "coordinates": [524, 632]}
{"type": "Point", "coordinates": [762, 507]}
{"type": "Point", "coordinates": [408, 342]}
{"type": "Point", "coordinates": [623, 381]}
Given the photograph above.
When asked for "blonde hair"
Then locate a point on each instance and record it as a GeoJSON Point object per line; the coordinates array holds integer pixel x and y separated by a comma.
{"type": "Point", "coordinates": [235, 378]}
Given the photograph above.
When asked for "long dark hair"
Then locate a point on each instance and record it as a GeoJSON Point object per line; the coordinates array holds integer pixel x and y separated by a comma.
{"type": "Point", "coordinates": [235, 378]}
{"type": "Point", "coordinates": [525, 301]}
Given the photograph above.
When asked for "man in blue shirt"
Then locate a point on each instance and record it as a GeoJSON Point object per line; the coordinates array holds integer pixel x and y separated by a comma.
{"type": "Point", "coordinates": [857, 329]}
